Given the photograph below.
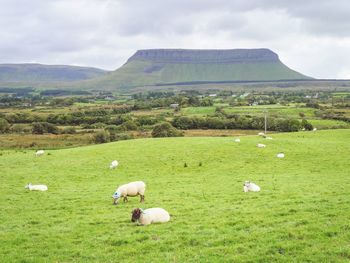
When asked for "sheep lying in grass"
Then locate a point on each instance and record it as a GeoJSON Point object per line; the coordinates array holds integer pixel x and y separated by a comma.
{"type": "Point", "coordinates": [280, 155]}
{"type": "Point", "coordinates": [38, 187]}
{"type": "Point", "coordinates": [114, 164]}
{"type": "Point", "coordinates": [268, 138]}
{"type": "Point", "coordinates": [260, 145]}
{"type": "Point", "coordinates": [149, 216]}
{"type": "Point", "coordinates": [250, 187]}
{"type": "Point", "coordinates": [39, 153]}
{"type": "Point", "coordinates": [130, 189]}
{"type": "Point", "coordinates": [238, 140]}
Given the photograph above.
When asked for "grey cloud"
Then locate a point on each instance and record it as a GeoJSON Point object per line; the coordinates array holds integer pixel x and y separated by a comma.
{"type": "Point", "coordinates": [105, 33]}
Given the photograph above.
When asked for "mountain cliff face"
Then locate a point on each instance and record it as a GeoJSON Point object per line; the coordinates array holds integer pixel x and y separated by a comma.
{"type": "Point", "coordinates": [198, 56]}
{"type": "Point", "coordinates": [174, 66]}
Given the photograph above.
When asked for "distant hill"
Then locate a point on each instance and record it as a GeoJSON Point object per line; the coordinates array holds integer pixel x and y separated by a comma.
{"type": "Point", "coordinates": [175, 66]}
{"type": "Point", "coordinates": [33, 73]}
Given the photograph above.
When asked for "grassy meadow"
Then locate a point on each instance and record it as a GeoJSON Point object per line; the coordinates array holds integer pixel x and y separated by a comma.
{"type": "Point", "coordinates": [301, 214]}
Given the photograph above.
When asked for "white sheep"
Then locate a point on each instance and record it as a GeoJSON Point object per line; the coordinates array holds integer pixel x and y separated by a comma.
{"type": "Point", "coordinates": [268, 138]}
{"type": "Point", "coordinates": [261, 134]}
{"type": "Point", "coordinates": [238, 140]}
{"type": "Point", "coordinates": [260, 145]}
{"type": "Point", "coordinates": [37, 187]}
{"type": "Point", "coordinates": [114, 164]}
{"type": "Point", "coordinates": [39, 153]}
{"type": "Point", "coordinates": [149, 216]}
{"type": "Point", "coordinates": [315, 129]}
{"type": "Point", "coordinates": [130, 189]}
{"type": "Point", "coordinates": [250, 187]}
{"type": "Point", "coordinates": [280, 155]}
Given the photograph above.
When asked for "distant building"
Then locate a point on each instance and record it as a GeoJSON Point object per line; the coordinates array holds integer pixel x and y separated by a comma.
{"type": "Point", "coordinates": [174, 105]}
{"type": "Point", "coordinates": [109, 98]}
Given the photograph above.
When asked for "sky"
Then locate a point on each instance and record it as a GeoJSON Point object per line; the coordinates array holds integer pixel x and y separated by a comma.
{"type": "Point", "coordinates": [312, 37]}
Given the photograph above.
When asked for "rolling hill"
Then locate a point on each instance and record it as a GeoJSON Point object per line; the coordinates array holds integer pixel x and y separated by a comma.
{"type": "Point", "coordinates": [185, 66]}
{"type": "Point", "coordinates": [33, 73]}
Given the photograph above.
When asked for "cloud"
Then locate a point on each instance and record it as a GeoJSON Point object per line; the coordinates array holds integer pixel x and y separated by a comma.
{"type": "Point", "coordinates": [312, 37]}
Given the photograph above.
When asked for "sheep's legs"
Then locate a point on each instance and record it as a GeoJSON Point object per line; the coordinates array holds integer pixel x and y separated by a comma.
{"type": "Point", "coordinates": [142, 199]}
{"type": "Point", "coordinates": [125, 199]}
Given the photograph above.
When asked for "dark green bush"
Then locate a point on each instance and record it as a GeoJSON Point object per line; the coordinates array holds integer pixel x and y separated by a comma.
{"type": "Point", "coordinates": [165, 130]}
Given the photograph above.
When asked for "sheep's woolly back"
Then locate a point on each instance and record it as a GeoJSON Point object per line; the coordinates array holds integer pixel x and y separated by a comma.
{"type": "Point", "coordinates": [132, 189]}
{"type": "Point", "coordinates": [39, 187]}
{"type": "Point", "coordinates": [154, 215]}
{"type": "Point", "coordinates": [114, 164]}
{"type": "Point", "coordinates": [250, 187]}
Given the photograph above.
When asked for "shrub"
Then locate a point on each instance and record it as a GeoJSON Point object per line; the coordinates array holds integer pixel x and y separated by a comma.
{"type": "Point", "coordinates": [165, 130]}
{"type": "Point", "coordinates": [19, 128]}
{"type": "Point", "coordinates": [69, 130]}
{"type": "Point", "coordinates": [4, 126]}
{"type": "Point", "coordinates": [129, 126]}
{"type": "Point", "coordinates": [101, 137]}
{"type": "Point", "coordinates": [306, 125]}
{"type": "Point", "coordinates": [38, 128]}
{"type": "Point", "coordinates": [42, 127]}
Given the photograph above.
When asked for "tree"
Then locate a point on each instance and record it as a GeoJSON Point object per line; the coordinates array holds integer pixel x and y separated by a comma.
{"type": "Point", "coordinates": [165, 129]}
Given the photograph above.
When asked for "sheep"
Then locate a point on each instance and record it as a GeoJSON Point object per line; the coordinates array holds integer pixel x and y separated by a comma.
{"type": "Point", "coordinates": [238, 140]}
{"type": "Point", "coordinates": [280, 155]}
{"type": "Point", "coordinates": [250, 187]}
{"type": "Point", "coordinates": [149, 216]}
{"type": "Point", "coordinates": [38, 187]}
{"type": "Point", "coordinates": [260, 145]}
{"type": "Point", "coordinates": [314, 129]}
{"type": "Point", "coordinates": [268, 138]}
{"type": "Point", "coordinates": [114, 164]}
{"type": "Point", "coordinates": [130, 189]}
{"type": "Point", "coordinates": [39, 153]}
{"type": "Point", "coordinates": [261, 134]}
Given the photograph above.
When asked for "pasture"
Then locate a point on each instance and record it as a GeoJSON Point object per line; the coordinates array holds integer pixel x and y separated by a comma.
{"type": "Point", "coordinates": [301, 214]}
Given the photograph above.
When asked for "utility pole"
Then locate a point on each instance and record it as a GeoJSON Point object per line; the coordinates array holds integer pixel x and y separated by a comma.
{"type": "Point", "coordinates": [265, 120]}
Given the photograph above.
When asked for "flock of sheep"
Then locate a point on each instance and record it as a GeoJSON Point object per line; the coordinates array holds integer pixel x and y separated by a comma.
{"type": "Point", "coordinates": [132, 189]}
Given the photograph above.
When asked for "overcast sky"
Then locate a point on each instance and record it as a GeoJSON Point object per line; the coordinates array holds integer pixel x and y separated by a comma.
{"type": "Point", "coordinates": [310, 36]}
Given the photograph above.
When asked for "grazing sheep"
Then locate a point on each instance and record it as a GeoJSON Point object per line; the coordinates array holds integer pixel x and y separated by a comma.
{"type": "Point", "coordinates": [38, 187]}
{"type": "Point", "coordinates": [114, 164]}
{"type": "Point", "coordinates": [39, 153]}
{"type": "Point", "coordinates": [130, 189]}
{"type": "Point", "coordinates": [268, 138]}
{"type": "Point", "coordinates": [238, 140]}
{"type": "Point", "coordinates": [261, 134]}
{"type": "Point", "coordinates": [250, 187]}
{"type": "Point", "coordinates": [260, 145]}
{"type": "Point", "coordinates": [149, 216]}
{"type": "Point", "coordinates": [280, 155]}
{"type": "Point", "coordinates": [315, 129]}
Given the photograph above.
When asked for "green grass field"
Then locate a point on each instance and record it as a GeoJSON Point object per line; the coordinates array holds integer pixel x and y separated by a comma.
{"type": "Point", "coordinates": [301, 215]}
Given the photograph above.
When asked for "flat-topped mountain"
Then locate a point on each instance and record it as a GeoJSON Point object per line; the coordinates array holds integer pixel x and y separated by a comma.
{"type": "Point", "coordinates": [178, 66]}
{"type": "Point", "coordinates": [46, 73]}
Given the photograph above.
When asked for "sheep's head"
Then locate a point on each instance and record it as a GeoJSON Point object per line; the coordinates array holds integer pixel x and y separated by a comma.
{"type": "Point", "coordinates": [27, 186]}
{"type": "Point", "coordinates": [136, 214]}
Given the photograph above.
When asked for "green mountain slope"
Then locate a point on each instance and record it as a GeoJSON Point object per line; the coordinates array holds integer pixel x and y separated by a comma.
{"type": "Point", "coordinates": [46, 73]}
{"type": "Point", "coordinates": [171, 66]}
